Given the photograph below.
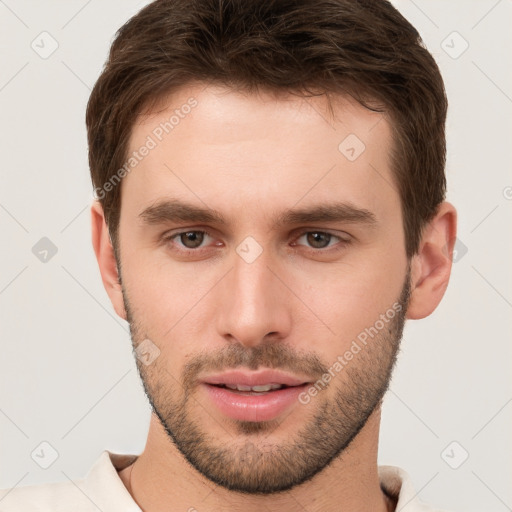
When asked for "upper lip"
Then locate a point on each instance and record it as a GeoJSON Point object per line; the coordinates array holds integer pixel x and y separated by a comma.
{"type": "Point", "coordinates": [257, 378]}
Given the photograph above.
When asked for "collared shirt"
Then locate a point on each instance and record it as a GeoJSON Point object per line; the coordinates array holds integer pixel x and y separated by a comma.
{"type": "Point", "coordinates": [102, 489]}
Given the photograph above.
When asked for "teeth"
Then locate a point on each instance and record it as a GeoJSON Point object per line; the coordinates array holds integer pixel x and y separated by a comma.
{"type": "Point", "coordinates": [258, 389]}
{"type": "Point", "coordinates": [266, 387]}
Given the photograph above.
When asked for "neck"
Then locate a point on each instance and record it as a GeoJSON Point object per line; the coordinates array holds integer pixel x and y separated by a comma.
{"type": "Point", "coordinates": [161, 477]}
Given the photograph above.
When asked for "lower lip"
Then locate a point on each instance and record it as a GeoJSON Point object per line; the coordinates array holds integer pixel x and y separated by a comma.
{"type": "Point", "coordinates": [253, 407]}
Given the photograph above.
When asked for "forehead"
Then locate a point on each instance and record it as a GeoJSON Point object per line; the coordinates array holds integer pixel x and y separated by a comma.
{"type": "Point", "coordinates": [240, 113]}
{"type": "Point", "coordinates": [223, 146]}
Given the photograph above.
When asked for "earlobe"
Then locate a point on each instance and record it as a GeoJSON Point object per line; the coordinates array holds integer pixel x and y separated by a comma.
{"type": "Point", "coordinates": [431, 266]}
{"type": "Point", "coordinates": [106, 258]}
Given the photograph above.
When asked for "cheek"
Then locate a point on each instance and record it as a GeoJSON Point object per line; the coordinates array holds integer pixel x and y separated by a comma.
{"type": "Point", "coordinates": [169, 301]}
{"type": "Point", "coordinates": [349, 300]}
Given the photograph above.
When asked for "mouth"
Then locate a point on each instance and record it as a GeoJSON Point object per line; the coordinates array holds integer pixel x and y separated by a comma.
{"type": "Point", "coordinates": [253, 396]}
{"type": "Point", "coordinates": [261, 380]}
{"type": "Point", "coordinates": [254, 390]}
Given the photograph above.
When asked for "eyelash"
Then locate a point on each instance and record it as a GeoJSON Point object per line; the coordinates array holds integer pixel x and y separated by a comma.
{"type": "Point", "coordinates": [342, 241]}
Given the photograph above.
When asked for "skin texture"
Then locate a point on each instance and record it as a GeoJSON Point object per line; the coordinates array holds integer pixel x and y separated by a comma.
{"type": "Point", "coordinates": [302, 300]}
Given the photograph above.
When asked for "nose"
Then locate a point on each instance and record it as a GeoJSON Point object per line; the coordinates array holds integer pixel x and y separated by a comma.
{"type": "Point", "coordinates": [254, 304]}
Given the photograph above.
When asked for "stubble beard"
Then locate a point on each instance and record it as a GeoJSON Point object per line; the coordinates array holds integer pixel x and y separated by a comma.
{"type": "Point", "coordinates": [248, 461]}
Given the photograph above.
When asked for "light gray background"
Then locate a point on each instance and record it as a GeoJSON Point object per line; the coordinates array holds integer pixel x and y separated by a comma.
{"type": "Point", "coordinates": [67, 374]}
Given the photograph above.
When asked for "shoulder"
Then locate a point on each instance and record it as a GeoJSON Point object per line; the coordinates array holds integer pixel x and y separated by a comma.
{"type": "Point", "coordinates": [55, 497]}
{"type": "Point", "coordinates": [398, 484]}
{"type": "Point", "coordinates": [101, 489]}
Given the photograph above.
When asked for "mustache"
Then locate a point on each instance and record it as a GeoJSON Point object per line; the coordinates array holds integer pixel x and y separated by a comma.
{"type": "Point", "coordinates": [236, 356]}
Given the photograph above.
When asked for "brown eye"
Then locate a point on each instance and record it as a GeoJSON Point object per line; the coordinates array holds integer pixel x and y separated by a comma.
{"type": "Point", "coordinates": [322, 241]}
{"type": "Point", "coordinates": [318, 240]}
{"type": "Point", "coordinates": [192, 239]}
{"type": "Point", "coordinates": [192, 243]}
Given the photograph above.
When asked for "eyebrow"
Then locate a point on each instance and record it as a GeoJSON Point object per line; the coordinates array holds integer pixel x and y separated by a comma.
{"type": "Point", "coordinates": [177, 210]}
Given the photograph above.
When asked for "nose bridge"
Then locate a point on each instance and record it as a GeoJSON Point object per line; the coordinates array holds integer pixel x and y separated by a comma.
{"type": "Point", "coordinates": [253, 305]}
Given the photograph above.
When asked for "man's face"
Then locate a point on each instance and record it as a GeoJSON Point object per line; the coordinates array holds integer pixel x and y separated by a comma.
{"type": "Point", "coordinates": [311, 303]}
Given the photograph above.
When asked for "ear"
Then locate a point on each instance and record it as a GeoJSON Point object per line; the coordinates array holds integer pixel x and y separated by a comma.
{"type": "Point", "coordinates": [432, 265]}
{"type": "Point", "coordinates": [106, 258]}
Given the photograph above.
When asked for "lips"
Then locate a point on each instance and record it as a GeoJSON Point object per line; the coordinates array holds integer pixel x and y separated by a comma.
{"type": "Point", "coordinates": [253, 396]}
{"type": "Point", "coordinates": [258, 389]}
{"type": "Point", "coordinates": [254, 379]}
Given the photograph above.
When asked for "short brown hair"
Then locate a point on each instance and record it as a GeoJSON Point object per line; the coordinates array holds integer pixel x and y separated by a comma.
{"type": "Point", "coordinates": [364, 48]}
